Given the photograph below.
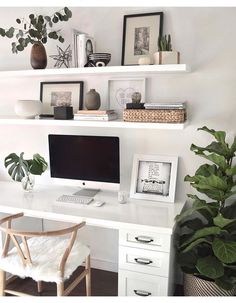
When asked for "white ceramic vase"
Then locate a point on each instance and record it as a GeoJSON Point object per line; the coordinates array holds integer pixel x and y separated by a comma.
{"type": "Point", "coordinates": [28, 109]}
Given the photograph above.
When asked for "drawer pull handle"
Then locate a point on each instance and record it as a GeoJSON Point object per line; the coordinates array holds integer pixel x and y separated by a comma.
{"type": "Point", "coordinates": [142, 293]}
{"type": "Point", "coordinates": [143, 261]}
{"type": "Point", "coordinates": [143, 239]}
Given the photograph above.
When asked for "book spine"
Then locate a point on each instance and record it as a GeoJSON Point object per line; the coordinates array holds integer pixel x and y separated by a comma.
{"type": "Point", "coordinates": [82, 50]}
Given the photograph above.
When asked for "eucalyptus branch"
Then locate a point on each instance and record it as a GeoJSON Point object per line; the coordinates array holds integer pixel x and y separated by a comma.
{"type": "Point", "coordinates": [36, 29]}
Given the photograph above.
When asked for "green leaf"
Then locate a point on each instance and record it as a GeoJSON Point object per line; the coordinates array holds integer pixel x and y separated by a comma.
{"type": "Point", "coordinates": [210, 267]}
{"type": "Point", "coordinates": [201, 233]}
{"type": "Point", "coordinates": [220, 221]}
{"type": "Point", "coordinates": [225, 251]}
{"type": "Point", "coordinates": [18, 21]}
{"type": "Point", "coordinates": [2, 32]}
{"type": "Point", "coordinates": [61, 39]}
{"type": "Point", "coordinates": [47, 18]}
{"type": "Point", "coordinates": [20, 48]}
{"type": "Point", "coordinates": [215, 147]}
{"type": "Point", "coordinates": [194, 244]}
{"type": "Point", "coordinates": [219, 135]}
{"type": "Point", "coordinates": [193, 224]}
{"type": "Point", "coordinates": [233, 146]}
{"type": "Point", "coordinates": [229, 212]}
{"type": "Point", "coordinates": [226, 283]}
{"type": "Point", "coordinates": [55, 19]}
{"type": "Point", "coordinates": [197, 206]}
{"type": "Point", "coordinates": [231, 171]}
{"type": "Point", "coordinates": [38, 165]}
{"type": "Point", "coordinates": [18, 167]}
{"type": "Point", "coordinates": [10, 32]}
{"type": "Point", "coordinates": [31, 16]}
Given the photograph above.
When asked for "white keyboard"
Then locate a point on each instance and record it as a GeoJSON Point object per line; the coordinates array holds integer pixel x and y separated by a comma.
{"type": "Point", "coordinates": [74, 199]}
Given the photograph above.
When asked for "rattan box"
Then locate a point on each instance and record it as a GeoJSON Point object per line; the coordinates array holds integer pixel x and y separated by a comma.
{"type": "Point", "coordinates": [155, 115]}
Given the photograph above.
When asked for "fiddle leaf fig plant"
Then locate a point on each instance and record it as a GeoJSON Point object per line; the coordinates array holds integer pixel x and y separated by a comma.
{"type": "Point", "coordinates": [18, 167]}
{"type": "Point", "coordinates": [36, 29]}
{"type": "Point", "coordinates": [207, 229]}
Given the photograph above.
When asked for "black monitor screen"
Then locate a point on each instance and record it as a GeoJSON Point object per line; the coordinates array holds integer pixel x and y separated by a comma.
{"type": "Point", "coordinates": [90, 158]}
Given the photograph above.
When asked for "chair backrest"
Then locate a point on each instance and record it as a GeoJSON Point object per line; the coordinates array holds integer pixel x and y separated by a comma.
{"type": "Point", "coordinates": [12, 234]}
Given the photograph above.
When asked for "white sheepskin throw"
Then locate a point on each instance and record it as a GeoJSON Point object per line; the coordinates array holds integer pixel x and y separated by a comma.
{"type": "Point", "coordinates": [46, 254]}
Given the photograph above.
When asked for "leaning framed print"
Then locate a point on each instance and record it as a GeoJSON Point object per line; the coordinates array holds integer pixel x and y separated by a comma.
{"type": "Point", "coordinates": [61, 93]}
{"type": "Point", "coordinates": [154, 178]}
{"type": "Point", "coordinates": [140, 36]}
{"type": "Point", "coordinates": [120, 91]}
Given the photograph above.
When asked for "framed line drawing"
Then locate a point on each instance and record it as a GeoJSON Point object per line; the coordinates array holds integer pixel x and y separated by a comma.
{"type": "Point", "coordinates": [154, 178]}
{"type": "Point", "coordinates": [120, 92]}
{"type": "Point", "coordinates": [140, 36]}
{"type": "Point", "coordinates": [61, 93]}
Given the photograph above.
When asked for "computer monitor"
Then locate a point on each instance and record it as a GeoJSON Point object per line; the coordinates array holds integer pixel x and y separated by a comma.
{"type": "Point", "coordinates": [90, 161]}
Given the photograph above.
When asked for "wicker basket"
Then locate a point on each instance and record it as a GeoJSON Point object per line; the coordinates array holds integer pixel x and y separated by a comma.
{"type": "Point", "coordinates": [155, 115]}
{"type": "Point", "coordinates": [194, 286]}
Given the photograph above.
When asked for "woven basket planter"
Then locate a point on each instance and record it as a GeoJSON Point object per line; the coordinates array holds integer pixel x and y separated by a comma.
{"type": "Point", "coordinates": [155, 115]}
{"type": "Point", "coordinates": [194, 286]}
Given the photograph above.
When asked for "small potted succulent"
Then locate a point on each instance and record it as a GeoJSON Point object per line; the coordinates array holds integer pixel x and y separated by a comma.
{"type": "Point", "coordinates": [63, 111]}
{"type": "Point", "coordinates": [36, 30]}
{"type": "Point", "coordinates": [22, 170]}
{"type": "Point", "coordinates": [206, 249]}
{"type": "Point", "coordinates": [165, 54]}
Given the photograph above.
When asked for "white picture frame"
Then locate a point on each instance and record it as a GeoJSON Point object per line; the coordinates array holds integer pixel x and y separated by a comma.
{"type": "Point", "coordinates": [154, 178]}
{"type": "Point", "coordinates": [120, 91]}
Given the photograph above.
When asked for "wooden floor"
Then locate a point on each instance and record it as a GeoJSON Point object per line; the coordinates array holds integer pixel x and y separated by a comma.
{"type": "Point", "coordinates": [104, 283]}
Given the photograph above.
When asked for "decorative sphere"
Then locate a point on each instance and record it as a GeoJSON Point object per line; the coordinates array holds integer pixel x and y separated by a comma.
{"type": "Point", "coordinates": [136, 97]}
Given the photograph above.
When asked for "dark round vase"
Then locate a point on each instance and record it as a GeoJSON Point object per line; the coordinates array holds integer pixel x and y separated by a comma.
{"type": "Point", "coordinates": [38, 57]}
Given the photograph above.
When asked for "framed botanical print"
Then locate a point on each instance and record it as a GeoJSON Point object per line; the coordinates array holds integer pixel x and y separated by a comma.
{"type": "Point", "coordinates": [140, 36]}
{"type": "Point", "coordinates": [61, 93]}
{"type": "Point", "coordinates": [154, 178]}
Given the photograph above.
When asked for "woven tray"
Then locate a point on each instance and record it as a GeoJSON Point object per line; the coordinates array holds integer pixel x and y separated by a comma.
{"type": "Point", "coordinates": [155, 115]}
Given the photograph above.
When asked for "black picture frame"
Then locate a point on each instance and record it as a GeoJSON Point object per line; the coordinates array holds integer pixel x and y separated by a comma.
{"type": "Point", "coordinates": [80, 94]}
{"type": "Point", "coordinates": [126, 17]}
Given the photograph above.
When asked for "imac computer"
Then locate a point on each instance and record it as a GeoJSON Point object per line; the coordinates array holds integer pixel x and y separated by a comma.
{"type": "Point", "coordinates": [89, 162]}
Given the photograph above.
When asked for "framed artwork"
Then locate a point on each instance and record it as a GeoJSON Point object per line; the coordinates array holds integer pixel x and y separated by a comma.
{"type": "Point", "coordinates": [61, 93]}
{"type": "Point", "coordinates": [140, 36]}
{"type": "Point", "coordinates": [154, 178]}
{"type": "Point", "coordinates": [120, 92]}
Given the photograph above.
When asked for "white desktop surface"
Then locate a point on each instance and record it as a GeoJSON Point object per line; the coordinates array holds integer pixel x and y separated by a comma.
{"type": "Point", "coordinates": [41, 203]}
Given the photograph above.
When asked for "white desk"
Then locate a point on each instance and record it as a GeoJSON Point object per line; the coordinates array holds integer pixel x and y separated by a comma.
{"type": "Point", "coordinates": [145, 231]}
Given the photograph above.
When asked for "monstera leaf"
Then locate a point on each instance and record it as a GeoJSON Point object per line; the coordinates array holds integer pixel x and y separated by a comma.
{"type": "Point", "coordinates": [18, 167]}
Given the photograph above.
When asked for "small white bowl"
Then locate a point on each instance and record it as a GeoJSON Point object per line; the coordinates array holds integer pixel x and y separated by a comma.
{"type": "Point", "coordinates": [28, 109]}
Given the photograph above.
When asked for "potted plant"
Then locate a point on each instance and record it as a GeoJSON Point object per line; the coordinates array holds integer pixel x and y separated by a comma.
{"type": "Point", "coordinates": [36, 31]}
{"type": "Point", "coordinates": [206, 250]}
{"type": "Point", "coordinates": [22, 170]}
{"type": "Point", "coordinates": [165, 54]}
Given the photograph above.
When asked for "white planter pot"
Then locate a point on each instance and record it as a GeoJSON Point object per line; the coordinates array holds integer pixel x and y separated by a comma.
{"type": "Point", "coordinates": [28, 108]}
{"type": "Point", "coordinates": [166, 57]}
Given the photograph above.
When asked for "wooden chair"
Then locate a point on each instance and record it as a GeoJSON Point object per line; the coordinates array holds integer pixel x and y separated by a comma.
{"type": "Point", "coordinates": [44, 256]}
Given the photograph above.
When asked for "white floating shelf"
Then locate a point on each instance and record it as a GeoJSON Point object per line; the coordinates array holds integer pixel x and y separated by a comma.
{"type": "Point", "coordinates": [107, 124]}
{"type": "Point", "coordinates": [140, 69]}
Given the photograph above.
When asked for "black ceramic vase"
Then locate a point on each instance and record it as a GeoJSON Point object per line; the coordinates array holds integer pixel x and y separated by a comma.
{"type": "Point", "coordinates": [38, 57]}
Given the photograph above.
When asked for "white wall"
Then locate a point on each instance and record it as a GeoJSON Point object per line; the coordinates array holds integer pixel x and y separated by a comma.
{"type": "Point", "coordinates": [205, 38]}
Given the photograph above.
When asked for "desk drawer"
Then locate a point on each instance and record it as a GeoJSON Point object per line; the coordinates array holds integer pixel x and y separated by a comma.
{"type": "Point", "coordinates": [147, 240]}
{"type": "Point", "coordinates": [144, 261]}
{"type": "Point", "coordinates": [142, 285]}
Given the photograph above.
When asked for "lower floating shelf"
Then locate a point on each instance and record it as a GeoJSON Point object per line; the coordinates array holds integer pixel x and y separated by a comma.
{"type": "Point", "coordinates": [6, 120]}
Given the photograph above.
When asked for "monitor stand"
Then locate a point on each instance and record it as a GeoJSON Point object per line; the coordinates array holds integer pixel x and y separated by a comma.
{"type": "Point", "coordinates": [87, 192]}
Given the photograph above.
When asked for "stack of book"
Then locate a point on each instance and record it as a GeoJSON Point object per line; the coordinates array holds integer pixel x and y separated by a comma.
{"type": "Point", "coordinates": [171, 106]}
{"type": "Point", "coordinates": [95, 115]}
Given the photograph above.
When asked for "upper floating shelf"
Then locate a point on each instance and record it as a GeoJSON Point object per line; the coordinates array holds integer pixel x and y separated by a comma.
{"type": "Point", "coordinates": [140, 69]}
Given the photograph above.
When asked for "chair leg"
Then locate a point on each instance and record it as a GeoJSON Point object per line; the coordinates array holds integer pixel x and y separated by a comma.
{"type": "Point", "coordinates": [88, 276]}
{"type": "Point", "coordinates": [2, 282]}
{"type": "Point", "coordinates": [60, 289]}
{"type": "Point", "coordinates": [39, 286]}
